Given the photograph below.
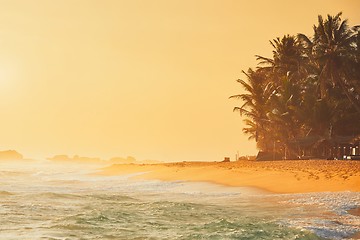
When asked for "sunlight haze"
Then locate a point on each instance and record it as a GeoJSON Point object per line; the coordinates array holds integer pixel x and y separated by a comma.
{"type": "Point", "coordinates": [149, 79]}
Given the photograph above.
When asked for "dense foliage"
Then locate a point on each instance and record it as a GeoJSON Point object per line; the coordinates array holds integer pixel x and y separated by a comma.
{"type": "Point", "coordinates": [307, 92]}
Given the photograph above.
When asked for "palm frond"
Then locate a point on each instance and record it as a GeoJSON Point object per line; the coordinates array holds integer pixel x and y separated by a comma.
{"type": "Point", "coordinates": [264, 60]}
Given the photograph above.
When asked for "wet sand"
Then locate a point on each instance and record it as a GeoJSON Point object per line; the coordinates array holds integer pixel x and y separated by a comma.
{"type": "Point", "coordinates": [291, 176]}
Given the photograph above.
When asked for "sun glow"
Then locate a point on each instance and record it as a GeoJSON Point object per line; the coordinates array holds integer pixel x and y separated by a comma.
{"type": "Point", "coordinates": [7, 73]}
{"type": "Point", "coordinates": [6, 82]}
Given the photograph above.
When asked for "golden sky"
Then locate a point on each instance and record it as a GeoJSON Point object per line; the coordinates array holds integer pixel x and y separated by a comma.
{"type": "Point", "coordinates": [149, 79]}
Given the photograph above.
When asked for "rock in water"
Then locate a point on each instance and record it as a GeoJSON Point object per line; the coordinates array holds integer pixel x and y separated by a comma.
{"type": "Point", "coordinates": [10, 155]}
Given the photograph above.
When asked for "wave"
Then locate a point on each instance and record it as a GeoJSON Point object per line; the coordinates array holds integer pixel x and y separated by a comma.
{"type": "Point", "coordinates": [53, 195]}
{"type": "Point", "coordinates": [63, 203]}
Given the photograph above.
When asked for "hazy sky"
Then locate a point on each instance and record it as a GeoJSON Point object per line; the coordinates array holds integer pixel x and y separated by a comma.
{"type": "Point", "coordinates": [149, 79]}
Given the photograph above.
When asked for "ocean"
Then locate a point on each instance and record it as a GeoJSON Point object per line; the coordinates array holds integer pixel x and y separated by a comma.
{"type": "Point", "coordinates": [46, 200]}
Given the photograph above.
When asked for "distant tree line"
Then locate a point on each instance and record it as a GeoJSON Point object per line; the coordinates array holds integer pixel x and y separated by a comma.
{"type": "Point", "coordinates": [307, 93]}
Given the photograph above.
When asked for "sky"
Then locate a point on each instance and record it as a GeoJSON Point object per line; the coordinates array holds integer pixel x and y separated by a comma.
{"type": "Point", "coordinates": [149, 79]}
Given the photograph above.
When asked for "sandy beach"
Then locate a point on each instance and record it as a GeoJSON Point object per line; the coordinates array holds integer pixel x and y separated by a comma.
{"type": "Point", "coordinates": [292, 176]}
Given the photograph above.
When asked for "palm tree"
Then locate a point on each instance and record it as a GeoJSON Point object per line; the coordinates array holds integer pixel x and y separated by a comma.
{"type": "Point", "coordinates": [287, 60]}
{"type": "Point", "coordinates": [284, 104]}
{"type": "Point", "coordinates": [331, 53]}
{"type": "Point", "coordinates": [286, 70]}
{"type": "Point", "coordinates": [255, 106]}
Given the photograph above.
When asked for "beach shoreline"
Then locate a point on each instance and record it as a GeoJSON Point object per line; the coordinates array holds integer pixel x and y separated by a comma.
{"type": "Point", "coordinates": [283, 176]}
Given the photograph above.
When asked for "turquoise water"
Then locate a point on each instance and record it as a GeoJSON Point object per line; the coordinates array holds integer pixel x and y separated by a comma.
{"type": "Point", "coordinates": [53, 201]}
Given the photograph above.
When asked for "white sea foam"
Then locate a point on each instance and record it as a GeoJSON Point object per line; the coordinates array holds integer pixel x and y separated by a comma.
{"type": "Point", "coordinates": [327, 213]}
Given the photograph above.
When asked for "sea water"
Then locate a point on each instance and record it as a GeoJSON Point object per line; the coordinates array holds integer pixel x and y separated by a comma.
{"type": "Point", "coordinates": [44, 200]}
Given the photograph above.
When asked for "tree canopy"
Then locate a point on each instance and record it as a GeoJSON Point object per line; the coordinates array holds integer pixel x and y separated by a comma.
{"type": "Point", "coordinates": [307, 92]}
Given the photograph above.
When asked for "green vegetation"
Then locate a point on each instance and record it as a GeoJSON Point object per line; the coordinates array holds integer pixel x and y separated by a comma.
{"type": "Point", "coordinates": [305, 100]}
